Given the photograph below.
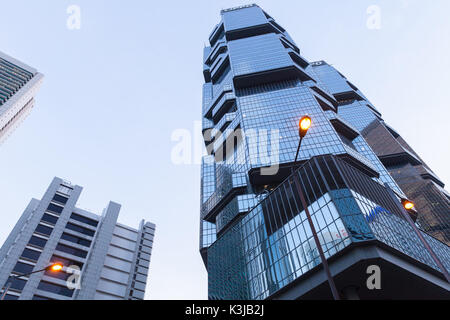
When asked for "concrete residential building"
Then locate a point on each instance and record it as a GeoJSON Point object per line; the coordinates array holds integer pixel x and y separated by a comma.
{"type": "Point", "coordinates": [258, 225]}
{"type": "Point", "coordinates": [19, 84]}
{"type": "Point", "coordinates": [102, 259]}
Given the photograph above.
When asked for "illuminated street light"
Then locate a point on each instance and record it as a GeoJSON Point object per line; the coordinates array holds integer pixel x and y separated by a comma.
{"type": "Point", "coordinates": [55, 267]}
{"type": "Point", "coordinates": [303, 126]}
{"type": "Point", "coordinates": [408, 205]}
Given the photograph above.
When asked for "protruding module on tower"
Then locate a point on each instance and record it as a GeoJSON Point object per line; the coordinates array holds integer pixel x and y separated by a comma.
{"type": "Point", "coordinates": [411, 173]}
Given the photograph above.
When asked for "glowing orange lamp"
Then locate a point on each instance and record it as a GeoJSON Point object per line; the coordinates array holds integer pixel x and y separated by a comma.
{"type": "Point", "coordinates": [56, 267]}
{"type": "Point", "coordinates": [303, 126]}
{"type": "Point", "coordinates": [408, 205]}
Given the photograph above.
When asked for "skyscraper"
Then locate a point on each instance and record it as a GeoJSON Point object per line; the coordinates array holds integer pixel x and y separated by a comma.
{"type": "Point", "coordinates": [410, 172]}
{"type": "Point", "coordinates": [102, 259]}
{"type": "Point", "coordinates": [19, 84]}
{"type": "Point", "coordinates": [256, 238]}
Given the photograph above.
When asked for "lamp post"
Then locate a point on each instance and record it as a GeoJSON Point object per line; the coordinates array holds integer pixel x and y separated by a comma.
{"type": "Point", "coordinates": [56, 267]}
{"type": "Point", "coordinates": [405, 206]}
{"type": "Point", "coordinates": [408, 206]}
{"type": "Point", "coordinates": [303, 127]}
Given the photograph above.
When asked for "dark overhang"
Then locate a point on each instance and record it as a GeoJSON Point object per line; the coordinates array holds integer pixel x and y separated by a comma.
{"type": "Point", "coordinates": [249, 31]}
{"type": "Point", "coordinates": [432, 177]}
{"type": "Point", "coordinates": [401, 276]}
{"type": "Point", "coordinates": [344, 129]}
{"type": "Point", "coordinates": [391, 160]}
{"type": "Point", "coordinates": [349, 95]}
{"type": "Point", "coordinates": [285, 169]}
{"type": "Point", "coordinates": [269, 76]}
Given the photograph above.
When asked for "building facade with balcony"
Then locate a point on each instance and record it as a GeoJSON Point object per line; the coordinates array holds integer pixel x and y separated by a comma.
{"type": "Point", "coordinates": [102, 259]}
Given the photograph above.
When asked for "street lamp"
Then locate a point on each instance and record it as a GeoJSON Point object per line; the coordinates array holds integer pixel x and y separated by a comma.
{"type": "Point", "coordinates": [55, 267]}
{"type": "Point", "coordinates": [408, 205]}
{"type": "Point", "coordinates": [303, 127]}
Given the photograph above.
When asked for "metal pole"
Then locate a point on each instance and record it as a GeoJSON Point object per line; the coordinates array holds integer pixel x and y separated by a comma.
{"type": "Point", "coordinates": [298, 150]}
{"type": "Point", "coordinates": [19, 276]}
{"type": "Point", "coordinates": [419, 234]}
{"type": "Point", "coordinates": [6, 290]}
{"type": "Point", "coordinates": [334, 291]}
{"type": "Point", "coordinates": [427, 246]}
{"type": "Point", "coordinates": [296, 155]}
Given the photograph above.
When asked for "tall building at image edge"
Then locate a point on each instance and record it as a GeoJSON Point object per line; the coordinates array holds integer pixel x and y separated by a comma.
{"type": "Point", "coordinates": [353, 170]}
{"type": "Point", "coordinates": [113, 259]}
{"type": "Point", "coordinates": [19, 84]}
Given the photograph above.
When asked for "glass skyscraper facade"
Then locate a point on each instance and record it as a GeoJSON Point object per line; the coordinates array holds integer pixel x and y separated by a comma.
{"type": "Point", "coordinates": [19, 84]}
{"type": "Point", "coordinates": [411, 173]}
{"type": "Point", "coordinates": [102, 259]}
{"type": "Point", "coordinates": [255, 240]}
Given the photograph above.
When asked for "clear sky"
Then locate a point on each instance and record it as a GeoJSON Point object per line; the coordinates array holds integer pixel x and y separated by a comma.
{"type": "Point", "coordinates": [116, 90]}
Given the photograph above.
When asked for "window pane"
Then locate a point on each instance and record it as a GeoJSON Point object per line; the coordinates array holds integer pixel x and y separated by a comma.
{"type": "Point", "coordinates": [60, 199]}
{"type": "Point", "coordinates": [44, 230]}
{"type": "Point", "coordinates": [49, 218]}
{"type": "Point", "coordinates": [74, 227]}
{"type": "Point", "coordinates": [70, 250]}
{"type": "Point", "coordinates": [54, 208]}
{"type": "Point", "coordinates": [17, 284]}
{"type": "Point", "coordinates": [31, 254]}
{"type": "Point", "coordinates": [54, 288]}
{"type": "Point", "coordinates": [38, 242]}
{"type": "Point", "coordinates": [84, 219]}
{"type": "Point", "coordinates": [75, 239]}
{"type": "Point", "coordinates": [23, 268]}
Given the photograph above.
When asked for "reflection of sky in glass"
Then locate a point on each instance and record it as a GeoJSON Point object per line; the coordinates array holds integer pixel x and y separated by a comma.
{"type": "Point", "coordinates": [115, 90]}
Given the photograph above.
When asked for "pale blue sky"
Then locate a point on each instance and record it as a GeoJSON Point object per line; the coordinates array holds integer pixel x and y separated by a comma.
{"type": "Point", "coordinates": [115, 91]}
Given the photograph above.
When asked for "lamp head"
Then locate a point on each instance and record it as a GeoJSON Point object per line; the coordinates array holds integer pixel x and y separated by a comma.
{"type": "Point", "coordinates": [303, 126]}
{"type": "Point", "coordinates": [56, 267]}
{"type": "Point", "coordinates": [408, 205]}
